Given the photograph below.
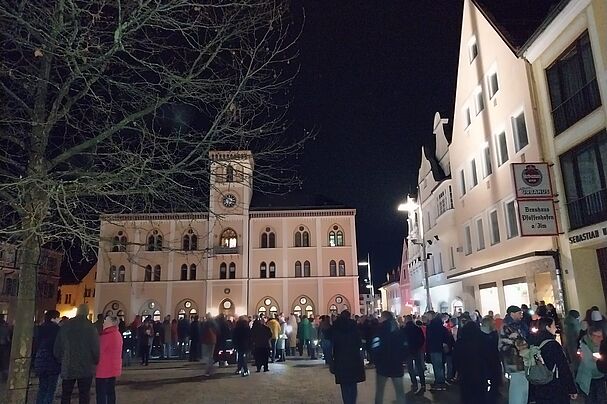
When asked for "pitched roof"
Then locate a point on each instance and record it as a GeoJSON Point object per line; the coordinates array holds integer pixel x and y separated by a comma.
{"type": "Point", "coordinates": [518, 21]}
{"type": "Point", "coordinates": [293, 200]}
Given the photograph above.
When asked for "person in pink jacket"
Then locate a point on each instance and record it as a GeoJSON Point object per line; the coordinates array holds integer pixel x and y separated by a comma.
{"type": "Point", "coordinates": [110, 361]}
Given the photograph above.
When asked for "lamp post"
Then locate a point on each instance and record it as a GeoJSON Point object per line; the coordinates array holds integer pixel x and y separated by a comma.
{"type": "Point", "coordinates": [370, 285]}
{"type": "Point", "coordinates": [412, 206]}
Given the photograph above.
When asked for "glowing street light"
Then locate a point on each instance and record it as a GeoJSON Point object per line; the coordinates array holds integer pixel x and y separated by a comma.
{"type": "Point", "coordinates": [412, 206]}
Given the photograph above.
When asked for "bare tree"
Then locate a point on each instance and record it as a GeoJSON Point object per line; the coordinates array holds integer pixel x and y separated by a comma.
{"type": "Point", "coordinates": [93, 91]}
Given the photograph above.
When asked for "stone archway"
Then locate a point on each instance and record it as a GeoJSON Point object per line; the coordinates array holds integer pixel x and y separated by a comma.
{"type": "Point", "coordinates": [151, 308]}
{"type": "Point", "coordinates": [115, 308]}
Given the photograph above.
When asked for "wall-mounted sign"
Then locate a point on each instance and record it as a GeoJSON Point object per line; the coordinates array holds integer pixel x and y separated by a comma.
{"type": "Point", "coordinates": [537, 218]}
{"type": "Point", "coordinates": [532, 180]}
{"type": "Point", "coordinates": [588, 234]}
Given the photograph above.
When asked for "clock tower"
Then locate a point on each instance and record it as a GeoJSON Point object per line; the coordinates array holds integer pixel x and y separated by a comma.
{"type": "Point", "coordinates": [231, 181]}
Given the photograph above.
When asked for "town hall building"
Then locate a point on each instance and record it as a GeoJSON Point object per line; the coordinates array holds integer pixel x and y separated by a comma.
{"type": "Point", "coordinates": [240, 257]}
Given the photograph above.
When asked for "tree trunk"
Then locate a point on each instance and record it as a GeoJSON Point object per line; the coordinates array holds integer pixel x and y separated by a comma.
{"type": "Point", "coordinates": [21, 349]}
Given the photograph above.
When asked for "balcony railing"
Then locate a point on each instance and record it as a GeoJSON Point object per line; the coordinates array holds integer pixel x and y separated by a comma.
{"type": "Point", "coordinates": [588, 210]}
{"type": "Point", "coordinates": [580, 104]}
{"type": "Point", "coordinates": [226, 250]}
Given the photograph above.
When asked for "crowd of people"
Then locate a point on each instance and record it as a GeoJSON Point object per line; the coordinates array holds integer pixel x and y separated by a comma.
{"type": "Point", "coordinates": [478, 353]}
{"type": "Point", "coordinates": [546, 358]}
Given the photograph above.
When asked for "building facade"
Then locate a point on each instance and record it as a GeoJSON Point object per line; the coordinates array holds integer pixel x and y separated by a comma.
{"type": "Point", "coordinates": [236, 259]}
{"type": "Point", "coordinates": [568, 58]}
{"type": "Point", "coordinates": [49, 266]}
{"type": "Point", "coordinates": [76, 292]}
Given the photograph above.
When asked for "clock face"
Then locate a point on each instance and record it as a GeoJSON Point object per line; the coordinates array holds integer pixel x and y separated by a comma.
{"type": "Point", "coordinates": [229, 201]}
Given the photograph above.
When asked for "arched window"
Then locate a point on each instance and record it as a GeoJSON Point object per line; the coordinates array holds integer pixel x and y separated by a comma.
{"type": "Point", "coordinates": [332, 268]}
{"type": "Point", "coordinates": [113, 274]}
{"type": "Point", "coordinates": [148, 273]}
{"type": "Point", "coordinates": [267, 306]}
{"type": "Point", "coordinates": [229, 239]}
{"type": "Point", "coordinates": [264, 240]}
{"type": "Point", "coordinates": [119, 242]}
{"type": "Point", "coordinates": [157, 273]}
{"type": "Point", "coordinates": [340, 238]}
{"type": "Point", "coordinates": [232, 270]}
{"type": "Point", "coordinates": [190, 241]}
{"type": "Point", "coordinates": [303, 305]}
{"type": "Point", "coordinates": [342, 268]}
{"type": "Point", "coordinates": [193, 272]}
{"type": "Point", "coordinates": [229, 174]}
{"type": "Point", "coordinates": [307, 269]}
{"type": "Point", "coordinates": [305, 239]}
{"type": "Point", "coordinates": [272, 270]}
{"type": "Point", "coordinates": [302, 237]}
{"type": "Point", "coordinates": [332, 241]}
{"type": "Point", "coordinates": [338, 303]}
{"type": "Point", "coordinates": [263, 270]}
{"type": "Point", "coordinates": [268, 239]}
{"type": "Point", "coordinates": [297, 269]}
{"type": "Point", "coordinates": [184, 272]}
{"type": "Point", "coordinates": [223, 271]}
{"type": "Point", "coordinates": [121, 273]}
{"type": "Point", "coordinates": [154, 241]}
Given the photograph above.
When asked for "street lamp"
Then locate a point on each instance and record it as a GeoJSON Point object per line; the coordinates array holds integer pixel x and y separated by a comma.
{"type": "Point", "coordinates": [412, 206]}
{"type": "Point", "coordinates": [367, 263]}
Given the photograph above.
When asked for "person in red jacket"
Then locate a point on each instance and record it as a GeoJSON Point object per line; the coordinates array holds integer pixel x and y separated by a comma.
{"type": "Point", "coordinates": [110, 361]}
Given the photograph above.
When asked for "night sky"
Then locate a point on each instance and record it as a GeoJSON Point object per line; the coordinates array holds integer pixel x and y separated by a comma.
{"type": "Point", "coordinates": [373, 73]}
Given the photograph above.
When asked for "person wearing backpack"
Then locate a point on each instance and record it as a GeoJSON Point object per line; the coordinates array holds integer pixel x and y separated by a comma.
{"type": "Point", "coordinates": [513, 340]}
{"type": "Point", "coordinates": [562, 387]}
{"type": "Point", "coordinates": [589, 379]}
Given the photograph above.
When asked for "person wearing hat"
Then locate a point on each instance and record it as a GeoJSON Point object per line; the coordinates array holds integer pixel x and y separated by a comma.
{"type": "Point", "coordinates": [513, 339]}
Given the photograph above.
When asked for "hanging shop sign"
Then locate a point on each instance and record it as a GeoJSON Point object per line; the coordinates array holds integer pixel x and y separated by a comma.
{"type": "Point", "coordinates": [537, 218]}
{"type": "Point", "coordinates": [532, 180]}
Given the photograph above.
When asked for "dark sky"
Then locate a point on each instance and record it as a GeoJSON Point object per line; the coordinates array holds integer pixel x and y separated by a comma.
{"type": "Point", "coordinates": [373, 73]}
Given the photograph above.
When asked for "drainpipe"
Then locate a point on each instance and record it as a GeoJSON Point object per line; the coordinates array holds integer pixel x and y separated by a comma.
{"type": "Point", "coordinates": [556, 255]}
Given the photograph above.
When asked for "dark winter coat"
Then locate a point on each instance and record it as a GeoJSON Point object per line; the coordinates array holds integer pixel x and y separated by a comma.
{"type": "Point", "coordinates": [45, 363]}
{"type": "Point", "coordinates": [415, 337]}
{"type": "Point", "coordinates": [389, 347]}
{"type": "Point", "coordinates": [558, 390]}
{"type": "Point", "coordinates": [260, 335]}
{"type": "Point", "coordinates": [348, 365]}
{"type": "Point", "coordinates": [77, 348]}
{"type": "Point", "coordinates": [195, 331]}
{"type": "Point", "coordinates": [241, 336]}
{"type": "Point", "coordinates": [601, 364]}
{"type": "Point", "coordinates": [183, 329]}
{"type": "Point", "coordinates": [436, 335]}
{"type": "Point", "coordinates": [470, 358]}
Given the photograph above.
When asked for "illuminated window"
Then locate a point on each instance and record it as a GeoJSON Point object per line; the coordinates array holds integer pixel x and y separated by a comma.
{"type": "Point", "coordinates": [336, 237]}
{"type": "Point", "coordinates": [263, 270]}
{"type": "Point", "coordinates": [332, 241]}
{"type": "Point", "coordinates": [229, 239]}
{"type": "Point", "coordinates": [156, 316]}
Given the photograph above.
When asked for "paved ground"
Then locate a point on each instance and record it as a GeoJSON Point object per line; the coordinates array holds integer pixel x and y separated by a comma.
{"type": "Point", "coordinates": [296, 381]}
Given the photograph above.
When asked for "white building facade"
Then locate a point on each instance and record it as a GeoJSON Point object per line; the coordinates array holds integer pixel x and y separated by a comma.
{"type": "Point", "coordinates": [236, 259]}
